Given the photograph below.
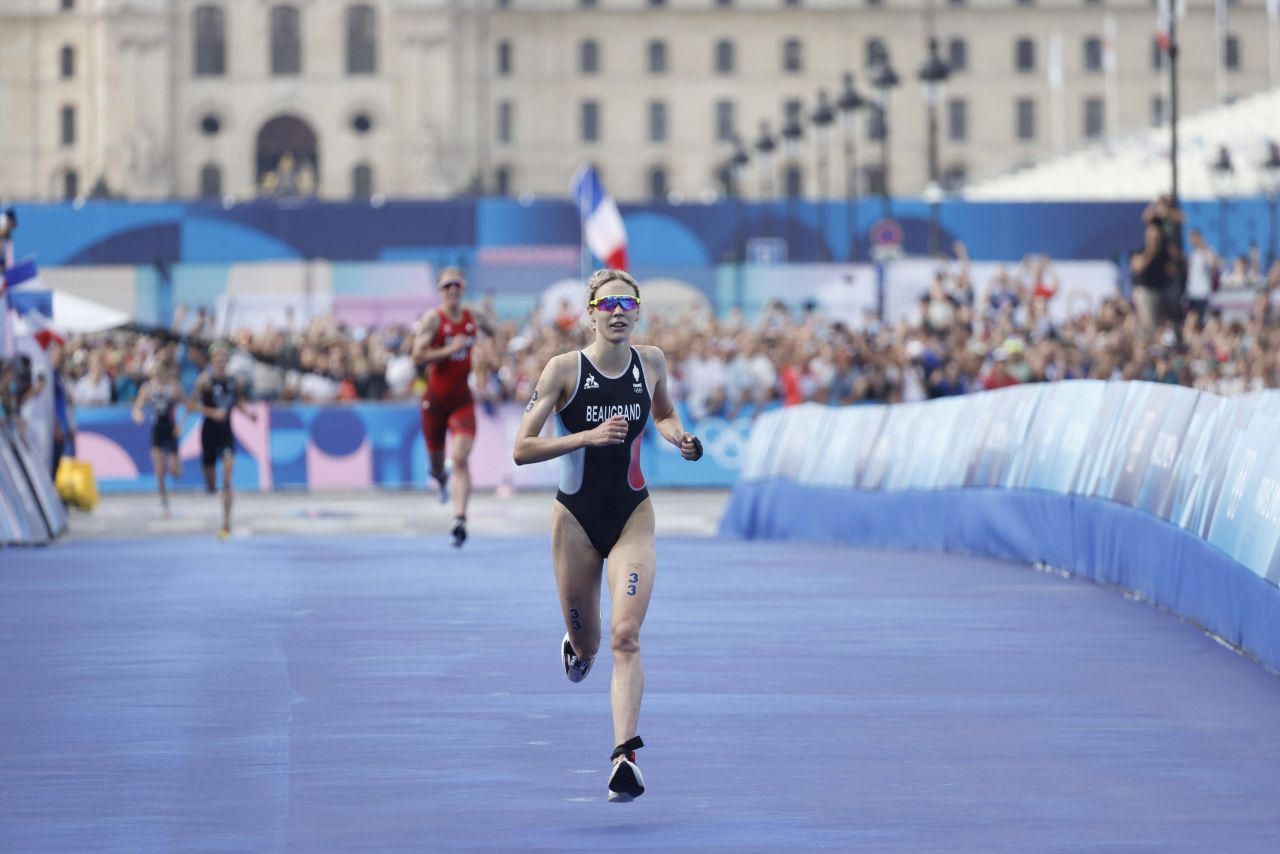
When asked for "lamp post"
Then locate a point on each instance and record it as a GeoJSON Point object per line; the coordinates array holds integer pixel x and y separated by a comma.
{"type": "Point", "coordinates": [822, 117]}
{"type": "Point", "coordinates": [884, 79]}
{"type": "Point", "coordinates": [849, 104]}
{"type": "Point", "coordinates": [1223, 172]}
{"type": "Point", "coordinates": [933, 74]}
{"type": "Point", "coordinates": [765, 147]}
{"type": "Point", "coordinates": [792, 133]}
{"type": "Point", "coordinates": [738, 172]}
{"type": "Point", "coordinates": [1271, 186]}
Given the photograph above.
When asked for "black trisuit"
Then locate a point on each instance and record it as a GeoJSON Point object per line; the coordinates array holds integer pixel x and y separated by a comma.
{"type": "Point", "coordinates": [164, 404]}
{"type": "Point", "coordinates": [603, 486]}
{"type": "Point", "coordinates": [215, 436]}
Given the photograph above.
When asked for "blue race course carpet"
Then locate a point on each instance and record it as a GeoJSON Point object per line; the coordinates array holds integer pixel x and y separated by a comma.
{"type": "Point", "coordinates": [393, 694]}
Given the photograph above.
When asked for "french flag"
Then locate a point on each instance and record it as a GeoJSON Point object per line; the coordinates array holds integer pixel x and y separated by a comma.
{"type": "Point", "coordinates": [602, 228]}
{"type": "Point", "coordinates": [20, 275]}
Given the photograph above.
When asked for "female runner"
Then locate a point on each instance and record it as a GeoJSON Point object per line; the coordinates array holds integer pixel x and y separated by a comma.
{"type": "Point", "coordinates": [602, 397]}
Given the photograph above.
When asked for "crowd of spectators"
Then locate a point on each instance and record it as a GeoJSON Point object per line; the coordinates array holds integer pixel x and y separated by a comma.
{"type": "Point", "coordinates": [964, 336]}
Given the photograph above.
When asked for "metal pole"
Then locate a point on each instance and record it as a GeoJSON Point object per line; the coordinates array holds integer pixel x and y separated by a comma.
{"type": "Point", "coordinates": [822, 194]}
{"type": "Point", "coordinates": [884, 157]}
{"type": "Point", "coordinates": [934, 237]}
{"type": "Point", "coordinates": [1173, 107]}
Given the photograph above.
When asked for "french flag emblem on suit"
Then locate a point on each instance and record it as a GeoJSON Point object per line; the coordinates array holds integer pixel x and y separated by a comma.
{"type": "Point", "coordinates": [602, 228]}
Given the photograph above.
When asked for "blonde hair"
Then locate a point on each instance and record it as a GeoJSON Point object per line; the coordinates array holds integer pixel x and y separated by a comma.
{"type": "Point", "coordinates": [601, 278]}
{"type": "Point", "coordinates": [451, 274]}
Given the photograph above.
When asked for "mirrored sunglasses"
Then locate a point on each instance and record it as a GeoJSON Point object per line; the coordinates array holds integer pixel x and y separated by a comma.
{"type": "Point", "coordinates": [611, 303]}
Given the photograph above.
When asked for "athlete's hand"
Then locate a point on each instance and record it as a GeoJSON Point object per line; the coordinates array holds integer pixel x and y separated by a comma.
{"type": "Point", "coordinates": [137, 417]}
{"type": "Point", "coordinates": [611, 432]}
{"type": "Point", "coordinates": [456, 344]}
{"type": "Point", "coordinates": [690, 447]}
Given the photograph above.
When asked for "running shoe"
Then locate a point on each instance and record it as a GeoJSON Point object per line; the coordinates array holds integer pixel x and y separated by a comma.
{"type": "Point", "coordinates": [459, 531]}
{"type": "Point", "coordinates": [575, 668]}
{"type": "Point", "coordinates": [626, 783]}
{"type": "Point", "coordinates": [224, 534]}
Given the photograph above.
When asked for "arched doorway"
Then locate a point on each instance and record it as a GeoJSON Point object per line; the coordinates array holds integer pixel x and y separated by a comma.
{"type": "Point", "coordinates": [288, 158]}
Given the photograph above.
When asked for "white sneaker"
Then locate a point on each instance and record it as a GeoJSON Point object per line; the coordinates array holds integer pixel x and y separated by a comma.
{"type": "Point", "coordinates": [575, 668]}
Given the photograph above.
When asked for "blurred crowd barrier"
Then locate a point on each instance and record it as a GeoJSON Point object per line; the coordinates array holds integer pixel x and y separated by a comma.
{"type": "Point", "coordinates": [1159, 489]}
{"type": "Point", "coordinates": [373, 445]}
{"type": "Point", "coordinates": [30, 510]}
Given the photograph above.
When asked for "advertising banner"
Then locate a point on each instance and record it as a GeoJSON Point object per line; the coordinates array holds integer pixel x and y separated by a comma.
{"type": "Point", "coordinates": [1246, 522]}
{"type": "Point", "coordinates": [1057, 441]}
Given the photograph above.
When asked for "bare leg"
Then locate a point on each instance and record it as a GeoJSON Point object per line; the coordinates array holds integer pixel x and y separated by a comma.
{"type": "Point", "coordinates": [630, 572]}
{"type": "Point", "coordinates": [461, 454]}
{"type": "Point", "coordinates": [210, 479]}
{"type": "Point", "coordinates": [436, 459]}
{"type": "Point", "coordinates": [577, 568]}
{"type": "Point", "coordinates": [158, 463]}
{"type": "Point", "coordinates": [228, 463]}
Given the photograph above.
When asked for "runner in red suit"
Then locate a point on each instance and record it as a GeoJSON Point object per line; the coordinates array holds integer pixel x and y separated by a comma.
{"type": "Point", "coordinates": [443, 347]}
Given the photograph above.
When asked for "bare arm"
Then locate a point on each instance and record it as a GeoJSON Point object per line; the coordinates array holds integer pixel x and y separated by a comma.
{"type": "Point", "coordinates": [553, 386]}
{"type": "Point", "coordinates": [665, 417]}
{"type": "Point", "coordinates": [424, 353]}
{"type": "Point", "coordinates": [197, 395]}
{"type": "Point", "coordinates": [144, 394]}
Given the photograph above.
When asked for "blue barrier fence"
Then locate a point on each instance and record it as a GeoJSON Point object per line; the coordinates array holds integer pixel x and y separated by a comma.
{"type": "Point", "coordinates": [30, 511]}
{"type": "Point", "coordinates": [372, 445]}
{"type": "Point", "coordinates": [1159, 489]}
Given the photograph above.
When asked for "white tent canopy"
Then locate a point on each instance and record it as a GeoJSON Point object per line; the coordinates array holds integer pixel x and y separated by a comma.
{"type": "Point", "coordinates": [75, 314]}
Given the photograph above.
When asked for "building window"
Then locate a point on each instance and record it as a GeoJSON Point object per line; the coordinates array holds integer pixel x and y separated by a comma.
{"type": "Point", "coordinates": [589, 121]}
{"type": "Point", "coordinates": [361, 181]}
{"type": "Point", "coordinates": [67, 126]}
{"type": "Point", "coordinates": [657, 57]}
{"type": "Point", "coordinates": [70, 184]}
{"type": "Point", "coordinates": [361, 123]}
{"type": "Point", "coordinates": [657, 181]}
{"type": "Point", "coordinates": [1094, 118]}
{"type": "Point", "coordinates": [1157, 55]}
{"type": "Point", "coordinates": [1024, 55]}
{"type": "Point", "coordinates": [657, 4]}
{"type": "Point", "coordinates": [1232, 54]}
{"type": "Point", "coordinates": [589, 57]}
{"type": "Point", "coordinates": [210, 181]}
{"type": "Point", "coordinates": [1092, 54]}
{"type": "Point", "coordinates": [657, 121]}
{"type": "Point", "coordinates": [954, 177]}
{"type": "Point", "coordinates": [956, 2]}
{"type": "Point", "coordinates": [724, 121]}
{"type": "Point", "coordinates": [506, 121]}
{"type": "Point", "coordinates": [793, 181]}
{"type": "Point", "coordinates": [957, 119]}
{"type": "Point", "coordinates": [211, 41]}
{"type": "Point", "coordinates": [792, 56]}
{"type": "Point", "coordinates": [958, 55]}
{"type": "Point", "coordinates": [875, 51]}
{"type": "Point", "coordinates": [873, 180]}
{"type": "Point", "coordinates": [503, 58]}
{"type": "Point", "coordinates": [792, 3]}
{"type": "Point", "coordinates": [1025, 118]}
{"type": "Point", "coordinates": [587, 4]}
{"type": "Point", "coordinates": [502, 181]}
{"type": "Point", "coordinates": [362, 40]}
{"type": "Point", "coordinates": [1157, 111]}
{"type": "Point", "coordinates": [724, 4]}
{"type": "Point", "coordinates": [286, 40]}
{"type": "Point", "coordinates": [875, 123]}
{"type": "Point", "coordinates": [724, 59]}
{"type": "Point", "coordinates": [210, 124]}
{"type": "Point", "coordinates": [67, 5]}
{"type": "Point", "coordinates": [67, 62]}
